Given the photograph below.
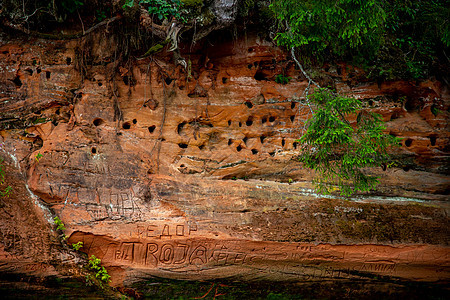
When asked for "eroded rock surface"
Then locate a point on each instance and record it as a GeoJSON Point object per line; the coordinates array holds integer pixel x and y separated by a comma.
{"type": "Point", "coordinates": [193, 174]}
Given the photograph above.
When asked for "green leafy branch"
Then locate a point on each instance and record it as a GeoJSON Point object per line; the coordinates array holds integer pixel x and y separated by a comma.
{"type": "Point", "coordinates": [100, 272]}
{"type": "Point", "coordinates": [339, 151]}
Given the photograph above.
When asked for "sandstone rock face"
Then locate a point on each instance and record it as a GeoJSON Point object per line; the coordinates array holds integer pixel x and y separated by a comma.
{"type": "Point", "coordinates": [193, 174]}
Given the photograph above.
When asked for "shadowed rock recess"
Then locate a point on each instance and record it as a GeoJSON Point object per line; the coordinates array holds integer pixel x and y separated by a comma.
{"type": "Point", "coordinates": [194, 174]}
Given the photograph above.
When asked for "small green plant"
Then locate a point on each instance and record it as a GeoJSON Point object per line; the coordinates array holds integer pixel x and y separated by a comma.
{"type": "Point", "coordinates": [38, 156]}
{"type": "Point", "coordinates": [100, 272]}
{"type": "Point", "coordinates": [290, 180]}
{"type": "Point", "coordinates": [435, 111]}
{"type": "Point", "coordinates": [162, 9]}
{"type": "Point", "coordinates": [77, 246]}
{"type": "Point", "coordinates": [8, 189]}
{"type": "Point", "coordinates": [281, 79]}
{"type": "Point", "coordinates": [59, 224]}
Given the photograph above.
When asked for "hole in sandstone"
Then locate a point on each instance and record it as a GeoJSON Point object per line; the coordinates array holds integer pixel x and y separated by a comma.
{"type": "Point", "coordinates": [239, 148]}
{"type": "Point", "coordinates": [292, 118]}
{"type": "Point", "coordinates": [248, 104]}
{"type": "Point", "coordinates": [245, 139]}
{"type": "Point", "coordinates": [249, 121]}
{"type": "Point", "coordinates": [292, 105]}
{"type": "Point", "coordinates": [262, 138]}
{"type": "Point", "coordinates": [230, 141]}
{"type": "Point", "coordinates": [119, 133]}
{"type": "Point", "coordinates": [57, 111]}
{"type": "Point", "coordinates": [29, 71]}
{"type": "Point", "coordinates": [126, 125]}
{"type": "Point", "coordinates": [68, 60]}
{"type": "Point", "coordinates": [224, 80]}
{"type": "Point", "coordinates": [98, 122]}
{"type": "Point", "coordinates": [99, 83]}
{"type": "Point", "coordinates": [406, 168]}
{"type": "Point", "coordinates": [272, 119]}
{"type": "Point", "coordinates": [182, 145]}
{"type": "Point", "coordinates": [254, 151]}
{"type": "Point", "coordinates": [408, 142]}
{"type": "Point", "coordinates": [411, 105]}
{"type": "Point", "coordinates": [180, 127]}
{"type": "Point", "coordinates": [134, 121]}
{"type": "Point", "coordinates": [201, 147]}
{"type": "Point", "coordinates": [125, 80]}
{"type": "Point", "coordinates": [94, 150]}
{"type": "Point", "coordinates": [168, 80]}
{"type": "Point", "coordinates": [259, 76]}
{"type": "Point", "coordinates": [263, 120]}
{"type": "Point", "coordinates": [283, 142]}
{"type": "Point", "coordinates": [38, 70]}
{"type": "Point", "coordinates": [433, 140]}
{"type": "Point", "coordinates": [181, 166]}
{"type": "Point", "coordinates": [295, 144]}
{"type": "Point", "coordinates": [47, 74]}
{"type": "Point", "coordinates": [370, 102]}
{"type": "Point", "coordinates": [17, 82]}
{"type": "Point", "coordinates": [339, 70]}
{"type": "Point", "coordinates": [229, 122]}
{"type": "Point", "coordinates": [240, 124]}
{"type": "Point", "coordinates": [251, 50]}
{"type": "Point", "coordinates": [250, 66]}
{"type": "Point", "coordinates": [151, 128]}
{"type": "Point", "coordinates": [272, 153]}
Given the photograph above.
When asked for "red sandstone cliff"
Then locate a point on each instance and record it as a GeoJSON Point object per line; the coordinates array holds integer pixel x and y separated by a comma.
{"type": "Point", "coordinates": [193, 174]}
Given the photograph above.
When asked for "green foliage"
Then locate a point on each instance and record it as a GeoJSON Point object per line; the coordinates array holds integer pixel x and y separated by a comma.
{"type": "Point", "coordinates": [77, 246]}
{"type": "Point", "coordinates": [333, 25]}
{"type": "Point", "coordinates": [59, 224]}
{"type": "Point", "coordinates": [100, 272]}
{"type": "Point", "coordinates": [392, 39]}
{"type": "Point", "coordinates": [38, 156]}
{"type": "Point", "coordinates": [7, 191]}
{"type": "Point", "coordinates": [281, 79]}
{"type": "Point", "coordinates": [338, 151]}
{"type": "Point", "coordinates": [162, 9]}
{"type": "Point", "coordinates": [71, 5]}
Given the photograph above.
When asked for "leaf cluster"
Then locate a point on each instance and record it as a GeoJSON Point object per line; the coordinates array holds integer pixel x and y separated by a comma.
{"type": "Point", "coordinates": [162, 9]}
{"type": "Point", "coordinates": [100, 272]}
{"type": "Point", "coordinates": [338, 150]}
{"type": "Point", "coordinates": [59, 224]}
